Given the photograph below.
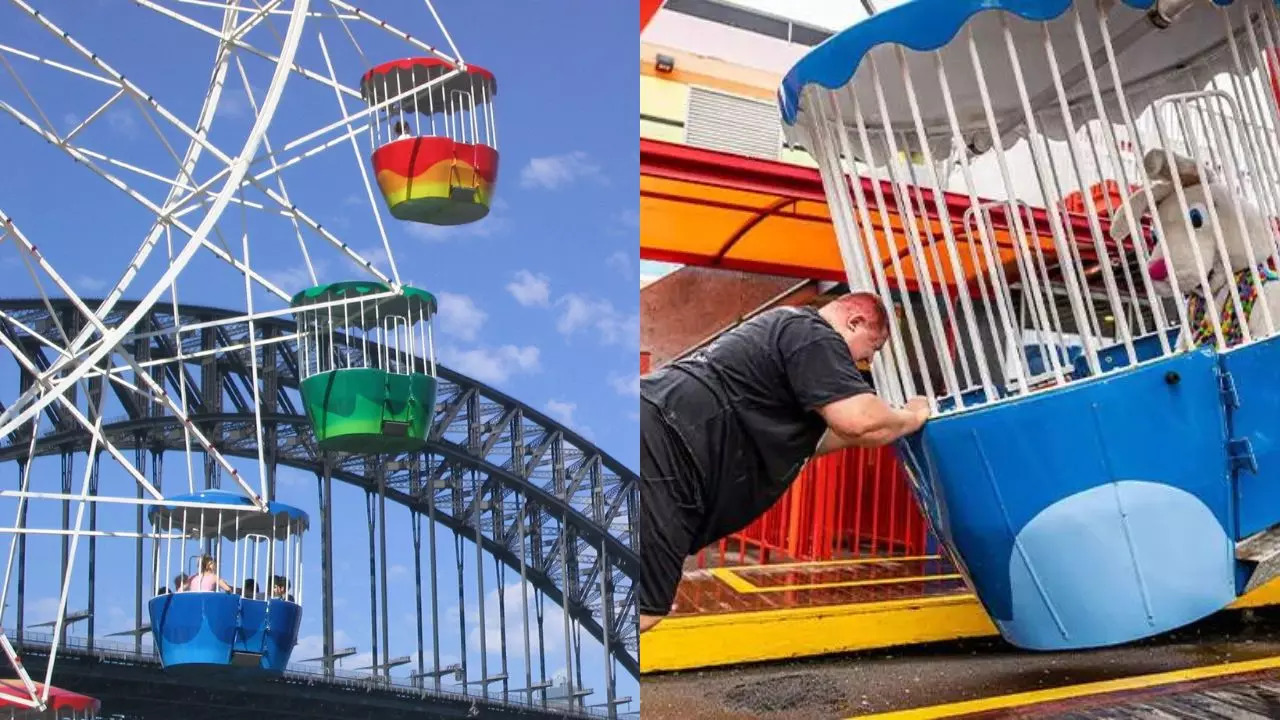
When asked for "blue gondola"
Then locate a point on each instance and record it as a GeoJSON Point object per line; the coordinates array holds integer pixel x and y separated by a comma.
{"type": "Point", "coordinates": [244, 621]}
{"type": "Point", "coordinates": [1135, 487]}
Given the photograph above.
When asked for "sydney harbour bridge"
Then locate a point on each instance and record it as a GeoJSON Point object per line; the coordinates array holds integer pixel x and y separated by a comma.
{"type": "Point", "coordinates": [522, 498]}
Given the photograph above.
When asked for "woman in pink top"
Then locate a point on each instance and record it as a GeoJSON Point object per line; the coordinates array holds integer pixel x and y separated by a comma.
{"type": "Point", "coordinates": [207, 580]}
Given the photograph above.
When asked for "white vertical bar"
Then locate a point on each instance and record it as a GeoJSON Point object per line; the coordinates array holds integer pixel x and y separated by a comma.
{"type": "Point", "coordinates": [1211, 303]}
{"type": "Point", "coordinates": [417, 109]}
{"type": "Point", "coordinates": [332, 341]}
{"type": "Point", "coordinates": [183, 548]}
{"type": "Point", "coordinates": [1041, 163]}
{"type": "Point", "coordinates": [886, 225]}
{"type": "Point", "coordinates": [1013, 210]}
{"type": "Point", "coordinates": [1140, 149]}
{"type": "Point", "coordinates": [1221, 129]}
{"type": "Point", "coordinates": [1269, 187]}
{"type": "Point", "coordinates": [915, 194]}
{"type": "Point", "coordinates": [253, 368]}
{"type": "Point", "coordinates": [898, 361]}
{"type": "Point", "coordinates": [919, 262]}
{"type": "Point", "coordinates": [980, 268]}
{"type": "Point", "coordinates": [168, 552]}
{"type": "Point", "coordinates": [1091, 212]}
{"type": "Point", "coordinates": [1233, 290]}
{"type": "Point", "coordinates": [431, 344]}
{"type": "Point", "coordinates": [847, 237]}
{"type": "Point", "coordinates": [944, 219]}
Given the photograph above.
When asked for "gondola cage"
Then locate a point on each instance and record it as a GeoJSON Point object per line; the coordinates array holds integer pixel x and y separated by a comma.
{"type": "Point", "coordinates": [366, 360]}
{"type": "Point", "coordinates": [1127, 481]}
{"type": "Point", "coordinates": [436, 143]}
{"type": "Point", "coordinates": [244, 620]}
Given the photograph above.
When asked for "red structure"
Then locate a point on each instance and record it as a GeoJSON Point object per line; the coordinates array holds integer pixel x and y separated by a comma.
{"type": "Point", "coordinates": [850, 504]}
{"type": "Point", "coordinates": [62, 704]}
{"type": "Point", "coordinates": [1106, 197]}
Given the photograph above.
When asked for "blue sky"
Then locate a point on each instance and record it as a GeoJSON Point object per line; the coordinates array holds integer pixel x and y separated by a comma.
{"type": "Point", "coordinates": [538, 300]}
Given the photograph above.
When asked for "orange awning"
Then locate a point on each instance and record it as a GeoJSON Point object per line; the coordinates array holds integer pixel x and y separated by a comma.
{"type": "Point", "coordinates": [711, 209]}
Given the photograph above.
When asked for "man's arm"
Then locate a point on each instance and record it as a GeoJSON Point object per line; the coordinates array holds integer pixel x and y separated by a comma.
{"type": "Point", "coordinates": [867, 421]}
{"type": "Point", "coordinates": [832, 442]}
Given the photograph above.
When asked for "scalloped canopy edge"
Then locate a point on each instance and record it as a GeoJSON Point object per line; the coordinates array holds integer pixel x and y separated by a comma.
{"type": "Point", "coordinates": [353, 289]}
{"type": "Point", "coordinates": [921, 25]}
{"type": "Point", "coordinates": [162, 509]}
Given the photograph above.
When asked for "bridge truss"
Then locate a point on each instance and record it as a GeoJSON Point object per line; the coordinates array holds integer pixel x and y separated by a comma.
{"type": "Point", "coordinates": [506, 480]}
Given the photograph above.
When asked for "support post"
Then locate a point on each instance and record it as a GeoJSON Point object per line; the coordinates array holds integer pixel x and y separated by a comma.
{"type": "Point", "coordinates": [325, 481]}
{"type": "Point", "coordinates": [435, 585]}
{"type": "Point", "coordinates": [382, 562]}
{"type": "Point", "coordinates": [373, 586]}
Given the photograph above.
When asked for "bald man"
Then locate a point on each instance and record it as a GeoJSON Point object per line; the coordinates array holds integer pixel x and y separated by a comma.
{"type": "Point", "coordinates": [725, 432]}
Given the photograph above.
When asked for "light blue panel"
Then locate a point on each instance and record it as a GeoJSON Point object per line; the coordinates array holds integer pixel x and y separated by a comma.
{"type": "Point", "coordinates": [1125, 558]}
{"type": "Point", "coordinates": [1013, 489]}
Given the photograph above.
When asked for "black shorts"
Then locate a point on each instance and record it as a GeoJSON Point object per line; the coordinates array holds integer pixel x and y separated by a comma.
{"type": "Point", "coordinates": [672, 511]}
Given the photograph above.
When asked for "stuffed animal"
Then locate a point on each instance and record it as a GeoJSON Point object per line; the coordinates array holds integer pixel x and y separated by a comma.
{"type": "Point", "coordinates": [1180, 263]}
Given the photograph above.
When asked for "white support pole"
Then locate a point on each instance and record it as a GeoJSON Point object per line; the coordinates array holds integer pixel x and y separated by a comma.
{"type": "Point", "coordinates": [364, 174]}
{"type": "Point", "coordinates": [33, 401]}
{"type": "Point", "coordinates": [99, 352]}
{"type": "Point", "coordinates": [284, 194]}
{"type": "Point", "coordinates": [13, 544]}
{"type": "Point", "coordinates": [253, 374]}
{"type": "Point", "coordinates": [71, 561]}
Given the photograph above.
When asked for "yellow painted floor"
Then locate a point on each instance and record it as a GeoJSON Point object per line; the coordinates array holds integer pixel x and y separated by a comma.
{"type": "Point", "coordinates": [756, 613]}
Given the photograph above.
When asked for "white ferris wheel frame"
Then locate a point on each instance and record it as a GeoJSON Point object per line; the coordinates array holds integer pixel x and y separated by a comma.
{"type": "Point", "coordinates": [92, 353]}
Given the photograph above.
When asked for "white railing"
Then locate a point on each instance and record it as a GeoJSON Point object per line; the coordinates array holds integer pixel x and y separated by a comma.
{"type": "Point", "coordinates": [972, 150]}
{"type": "Point", "coordinates": [356, 334]}
{"type": "Point", "coordinates": [459, 107]}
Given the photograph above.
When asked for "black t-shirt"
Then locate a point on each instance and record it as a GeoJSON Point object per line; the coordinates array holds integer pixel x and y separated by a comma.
{"type": "Point", "coordinates": [746, 407]}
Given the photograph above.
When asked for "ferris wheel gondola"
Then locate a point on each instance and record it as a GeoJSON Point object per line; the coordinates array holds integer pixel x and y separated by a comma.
{"type": "Point", "coordinates": [436, 155]}
{"type": "Point", "coordinates": [212, 620]}
{"type": "Point", "coordinates": [1128, 486]}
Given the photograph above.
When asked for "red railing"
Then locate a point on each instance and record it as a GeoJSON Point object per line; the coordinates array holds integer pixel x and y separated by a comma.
{"type": "Point", "coordinates": [854, 503]}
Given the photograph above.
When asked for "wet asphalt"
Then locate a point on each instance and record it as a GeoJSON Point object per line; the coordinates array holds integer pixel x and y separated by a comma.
{"type": "Point", "coordinates": [857, 684]}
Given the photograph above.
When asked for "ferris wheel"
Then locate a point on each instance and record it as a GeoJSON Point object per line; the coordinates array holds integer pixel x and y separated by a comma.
{"type": "Point", "coordinates": [195, 152]}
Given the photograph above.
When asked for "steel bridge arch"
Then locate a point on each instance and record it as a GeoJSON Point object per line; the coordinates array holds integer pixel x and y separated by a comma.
{"type": "Point", "coordinates": [589, 565]}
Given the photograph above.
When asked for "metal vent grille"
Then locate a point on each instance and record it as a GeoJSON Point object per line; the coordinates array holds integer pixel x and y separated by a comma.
{"type": "Point", "coordinates": [728, 123]}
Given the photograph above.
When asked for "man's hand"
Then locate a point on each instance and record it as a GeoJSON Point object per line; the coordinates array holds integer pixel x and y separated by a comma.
{"type": "Point", "coordinates": [920, 411]}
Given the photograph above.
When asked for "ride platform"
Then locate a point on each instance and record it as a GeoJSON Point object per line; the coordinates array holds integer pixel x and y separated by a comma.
{"type": "Point", "coordinates": [1227, 666]}
{"type": "Point", "coordinates": [761, 613]}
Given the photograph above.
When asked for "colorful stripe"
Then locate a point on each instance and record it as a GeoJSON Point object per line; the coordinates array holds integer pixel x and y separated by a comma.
{"type": "Point", "coordinates": [1232, 331]}
{"type": "Point", "coordinates": [436, 180]}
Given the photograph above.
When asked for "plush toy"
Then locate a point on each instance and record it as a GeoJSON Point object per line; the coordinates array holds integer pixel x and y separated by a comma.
{"type": "Point", "coordinates": [1199, 184]}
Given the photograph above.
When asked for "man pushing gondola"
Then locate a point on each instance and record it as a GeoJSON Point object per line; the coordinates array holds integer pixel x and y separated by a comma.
{"type": "Point", "coordinates": [724, 433]}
